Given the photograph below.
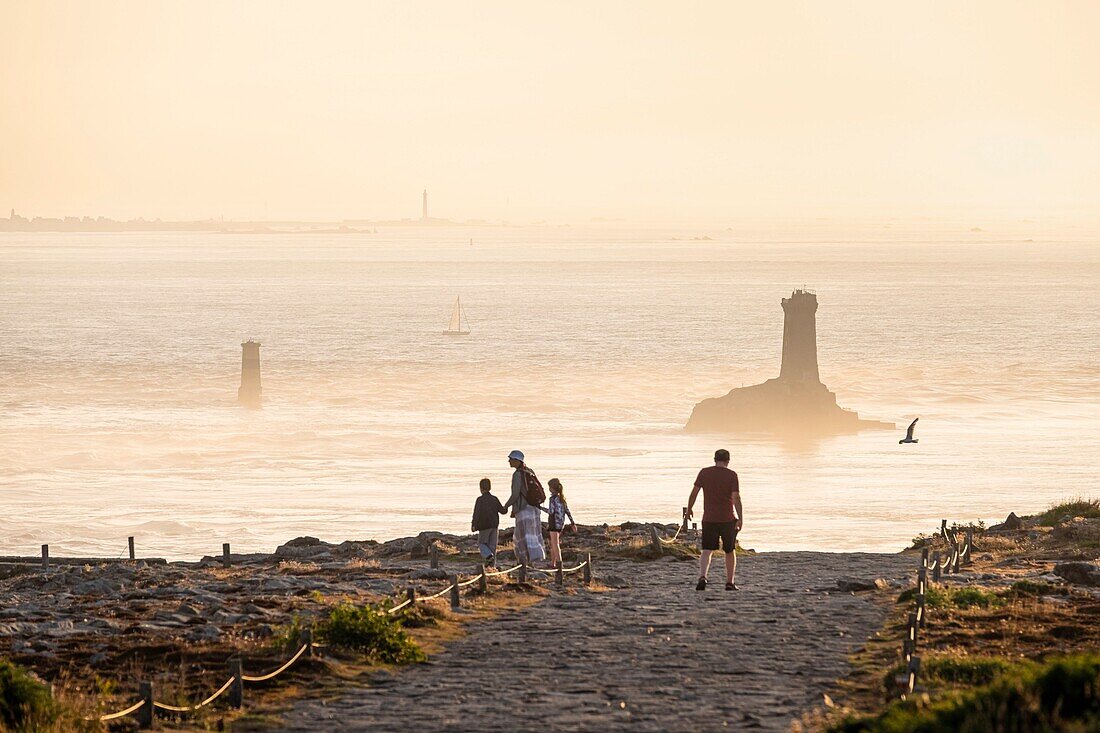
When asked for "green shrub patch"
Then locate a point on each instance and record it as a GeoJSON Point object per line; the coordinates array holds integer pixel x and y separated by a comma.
{"type": "Point", "coordinates": [1061, 694]}
{"type": "Point", "coordinates": [25, 703]}
{"type": "Point", "coordinates": [371, 632]}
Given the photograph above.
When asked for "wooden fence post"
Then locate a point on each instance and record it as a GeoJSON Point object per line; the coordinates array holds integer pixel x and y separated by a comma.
{"type": "Point", "coordinates": [684, 523]}
{"type": "Point", "coordinates": [45, 557]}
{"type": "Point", "coordinates": [130, 541]}
{"type": "Point", "coordinates": [236, 690]}
{"type": "Point", "coordinates": [434, 552]}
{"type": "Point", "coordinates": [969, 544]}
{"type": "Point", "coordinates": [911, 677]}
{"type": "Point", "coordinates": [559, 575]}
{"type": "Point", "coordinates": [483, 581]}
{"type": "Point", "coordinates": [913, 630]}
{"type": "Point", "coordinates": [922, 587]}
{"type": "Point", "coordinates": [225, 554]}
{"type": "Point", "coordinates": [306, 638]}
{"type": "Point", "coordinates": [655, 539]}
{"type": "Point", "coordinates": [924, 557]}
{"type": "Point", "coordinates": [943, 530]}
{"type": "Point", "coordinates": [937, 567]}
{"type": "Point", "coordinates": [588, 570]}
{"type": "Point", "coordinates": [455, 601]}
{"type": "Point", "coordinates": [145, 713]}
{"type": "Point", "coordinates": [956, 559]}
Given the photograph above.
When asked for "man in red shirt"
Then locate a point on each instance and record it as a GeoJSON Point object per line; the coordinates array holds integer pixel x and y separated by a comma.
{"type": "Point", "coordinates": [721, 515]}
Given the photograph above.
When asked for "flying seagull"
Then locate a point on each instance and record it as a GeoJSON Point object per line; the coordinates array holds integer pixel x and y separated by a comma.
{"type": "Point", "coordinates": [909, 433]}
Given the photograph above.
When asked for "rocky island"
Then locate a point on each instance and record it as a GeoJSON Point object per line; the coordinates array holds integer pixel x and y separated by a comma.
{"type": "Point", "coordinates": [794, 402]}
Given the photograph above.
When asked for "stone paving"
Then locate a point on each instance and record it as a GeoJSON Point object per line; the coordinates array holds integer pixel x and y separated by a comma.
{"type": "Point", "coordinates": [655, 655]}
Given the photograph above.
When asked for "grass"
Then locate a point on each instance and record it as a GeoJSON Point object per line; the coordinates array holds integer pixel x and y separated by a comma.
{"type": "Point", "coordinates": [1062, 694]}
{"type": "Point", "coordinates": [968, 671]}
{"type": "Point", "coordinates": [25, 702]}
{"type": "Point", "coordinates": [963, 598]}
{"type": "Point", "coordinates": [1080, 507]}
{"type": "Point", "coordinates": [955, 597]}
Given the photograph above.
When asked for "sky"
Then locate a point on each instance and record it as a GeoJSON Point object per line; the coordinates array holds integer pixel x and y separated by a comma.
{"type": "Point", "coordinates": [560, 112]}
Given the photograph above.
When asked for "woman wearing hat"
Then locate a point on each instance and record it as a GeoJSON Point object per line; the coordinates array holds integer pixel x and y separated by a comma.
{"type": "Point", "coordinates": [527, 493]}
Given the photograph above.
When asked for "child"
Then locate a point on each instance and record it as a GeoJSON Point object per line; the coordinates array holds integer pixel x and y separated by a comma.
{"type": "Point", "coordinates": [558, 511]}
{"type": "Point", "coordinates": [487, 511]}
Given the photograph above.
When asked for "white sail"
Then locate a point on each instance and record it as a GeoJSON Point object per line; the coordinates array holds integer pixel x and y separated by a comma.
{"type": "Point", "coordinates": [456, 316]}
{"type": "Point", "coordinates": [460, 325]}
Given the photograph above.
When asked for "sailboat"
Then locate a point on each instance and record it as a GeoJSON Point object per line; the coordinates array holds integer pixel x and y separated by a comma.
{"type": "Point", "coordinates": [458, 316]}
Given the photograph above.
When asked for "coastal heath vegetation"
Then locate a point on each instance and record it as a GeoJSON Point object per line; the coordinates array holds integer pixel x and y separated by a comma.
{"type": "Point", "coordinates": [27, 705]}
{"type": "Point", "coordinates": [1061, 694]}
{"type": "Point", "coordinates": [958, 597]}
{"type": "Point", "coordinates": [1079, 507]}
{"type": "Point", "coordinates": [25, 702]}
{"type": "Point", "coordinates": [368, 630]}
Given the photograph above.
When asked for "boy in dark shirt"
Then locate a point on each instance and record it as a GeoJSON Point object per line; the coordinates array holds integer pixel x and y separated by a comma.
{"type": "Point", "coordinates": [487, 511]}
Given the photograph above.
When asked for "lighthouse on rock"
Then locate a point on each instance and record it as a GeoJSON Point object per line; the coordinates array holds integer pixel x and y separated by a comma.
{"type": "Point", "coordinates": [250, 390]}
{"type": "Point", "coordinates": [794, 402]}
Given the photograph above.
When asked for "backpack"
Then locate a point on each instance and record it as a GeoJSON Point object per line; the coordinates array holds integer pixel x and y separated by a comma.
{"type": "Point", "coordinates": [533, 493]}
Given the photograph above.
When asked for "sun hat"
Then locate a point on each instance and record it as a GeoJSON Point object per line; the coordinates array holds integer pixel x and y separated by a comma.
{"type": "Point", "coordinates": [516, 455]}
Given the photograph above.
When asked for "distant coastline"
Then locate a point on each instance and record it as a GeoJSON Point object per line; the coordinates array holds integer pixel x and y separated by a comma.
{"type": "Point", "coordinates": [77, 224]}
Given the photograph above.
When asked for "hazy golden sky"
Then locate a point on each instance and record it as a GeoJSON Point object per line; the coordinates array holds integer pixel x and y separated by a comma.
{"type": "Point", "coordinates": [560, 110]}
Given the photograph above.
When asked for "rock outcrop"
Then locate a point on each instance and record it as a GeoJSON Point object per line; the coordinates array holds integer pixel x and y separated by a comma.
{"type": "Point", "coordinates": [1079, 573]}
{"type": "Point", "coordinates": [794, 402]}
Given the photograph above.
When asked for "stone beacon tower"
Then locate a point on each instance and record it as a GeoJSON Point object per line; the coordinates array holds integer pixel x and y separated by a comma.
{"type": "Point", "coordinates": [796, 402]}
{"type": "Point", "coordinates": [250, 390]}
{"type": "Point", "coordinates": [800, 337]}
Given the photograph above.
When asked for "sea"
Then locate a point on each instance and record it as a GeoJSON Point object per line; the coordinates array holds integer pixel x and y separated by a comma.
{"type": "Point", "coordinates": [120, 358]}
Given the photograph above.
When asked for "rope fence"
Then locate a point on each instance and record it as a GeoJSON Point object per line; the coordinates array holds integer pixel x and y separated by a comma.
{"type": "Point", "coordinates": [683, 526]}
{"type": "Point", "coordinates": [933, 565]}
{"type": "Point", "coordinates": [145, 709]}
{"type": "Point", "coordinates": [937, 565]}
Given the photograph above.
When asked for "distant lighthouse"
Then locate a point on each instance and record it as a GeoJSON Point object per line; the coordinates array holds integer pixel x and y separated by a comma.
{"type": "Point", "coordinates": [424, 205]}
{"type": "Point", "coordinates": [249, 392]}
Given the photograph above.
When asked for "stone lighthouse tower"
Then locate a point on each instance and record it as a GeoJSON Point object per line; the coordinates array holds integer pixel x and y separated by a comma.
{"type": "Point", "coordinates": [795, 402]}
{"type": "Point", "coordinates": [800, 338]}
{"type": "Point", "coordinates": [249, 392]}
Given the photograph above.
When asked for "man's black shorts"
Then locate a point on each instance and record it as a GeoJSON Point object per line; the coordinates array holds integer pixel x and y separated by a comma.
{"type": "Point", "coordinates": [713, 531]}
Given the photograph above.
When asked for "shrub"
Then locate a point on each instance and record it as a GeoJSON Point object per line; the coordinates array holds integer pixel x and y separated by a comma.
{"type": "Point", "coordinates": [1087, 508]}
{"type": "Point", "coordinates": [1034, 588]}
{"type": "Point", "coordinates": [940, 671]}
{"type": "Point", "coordinates": [422, 615]}
{"type": "Point", "coordinates": [922, 540]}
{"type": "Point", "coordinates": [976, 527]}
{"type": "Point", "coordinates": [25, 702]}
{"type": "Point", "coordinates": [961, 598]}
{"type": "Point", "coordinates": [1061, 694]}
{"type": "Point", "coordinates": [370, 631]}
